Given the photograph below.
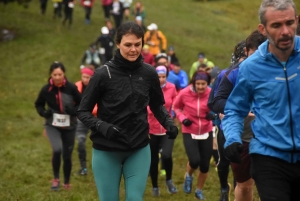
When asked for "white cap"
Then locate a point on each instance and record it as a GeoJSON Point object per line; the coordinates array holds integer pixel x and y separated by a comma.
{"type": "Point", "coordinates": [104, 30]}
{"type": "Point", "coordinates": [152, 26]}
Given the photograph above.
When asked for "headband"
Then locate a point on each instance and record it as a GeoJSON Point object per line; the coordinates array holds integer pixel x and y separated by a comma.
{"type": "Point", "coordinates": [87, 71]}
{"type": "Point", "coordinates": [201, 76]}
{"type": "Point", "coordinates": [161, 70]}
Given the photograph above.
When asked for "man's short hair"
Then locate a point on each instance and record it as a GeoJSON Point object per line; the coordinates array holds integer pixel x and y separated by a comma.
{"type": "Point", "coordinates": [276, 4]}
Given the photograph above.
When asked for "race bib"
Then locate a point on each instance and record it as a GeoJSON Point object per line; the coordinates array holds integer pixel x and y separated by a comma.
{"type": "Point", "coordinates": [200, 137]}
{"type": "Point", "coordinates": [71, 5]}
{"type": "Point", "coordinates": [61, 120]}
{"type": "Point", "coordinates": [87, 3]}
{"type": "Point", "coordinates": [101, 50]}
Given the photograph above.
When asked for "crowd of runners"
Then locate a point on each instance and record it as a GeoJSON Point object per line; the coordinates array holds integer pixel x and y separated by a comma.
{"type": "Point", "coordinates": [134, 98]}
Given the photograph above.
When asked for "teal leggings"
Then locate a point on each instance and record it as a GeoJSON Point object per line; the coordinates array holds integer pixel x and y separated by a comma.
{"type": "Point", "coordinates": [109, 166]}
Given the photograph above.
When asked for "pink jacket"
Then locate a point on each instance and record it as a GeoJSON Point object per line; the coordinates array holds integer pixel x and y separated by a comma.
{"type": "Point", "coordinates": [193, 106]}
{"type": "Point", "coordinates": [169, 91]}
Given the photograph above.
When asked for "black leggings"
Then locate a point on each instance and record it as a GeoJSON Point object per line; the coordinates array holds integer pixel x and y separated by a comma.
{"type": "Point", "coordinates": [88, 11]}
{"type": "Point", "coordinates": [223, 165]}
{"type": "Point", "coordinates": [198, 151]}
{"type": "Point", "coordinates": [43, 6]}
{"type": "Point", "coordinates": [57, 10]}
{"type": "Point", "coordinates": [62, 143]}
{"type": "Point", "coordinates": [68, 14]}
{"type": "Point", "coordinates": [107, 10]}
{"type": "Point", "coordinates": [157, 142]}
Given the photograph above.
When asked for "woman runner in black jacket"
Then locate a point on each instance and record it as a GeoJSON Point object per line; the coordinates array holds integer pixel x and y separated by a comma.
{"type": "Point", "coordinates": [62, 99]}
{"type": "Point", "coordinates": [122, 89]}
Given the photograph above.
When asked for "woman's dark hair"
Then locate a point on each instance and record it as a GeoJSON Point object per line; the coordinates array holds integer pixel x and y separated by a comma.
{"type": "Point", "coordinates": [193, 80]}
{"type": "Point", "coordinates": [55, 65]}
{"type": "Point", "coordinates": [129, 28]}
{"type": "Point", "coordinates": [157, 64]}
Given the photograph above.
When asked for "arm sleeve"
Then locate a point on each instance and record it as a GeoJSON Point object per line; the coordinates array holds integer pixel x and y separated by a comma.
{"type": "Point", "coordinates": [90, 97]}
{"type": "Point", "coordinates": [163, 41]}
{"type": "Point", "coordinates": [236, 109]}
{"type": "Point", "coordinates": [222, 94]}
{"type": "Point", "coordinates": [178, 107]}
{"type": "Point", "coordinates": [185, 80]}
{"type": "Point", "coordinates": [40, 104]}
{"type": "Point", "coordinates": [77, 97]}
{"type": "Point", "coordinates": [157, 102]}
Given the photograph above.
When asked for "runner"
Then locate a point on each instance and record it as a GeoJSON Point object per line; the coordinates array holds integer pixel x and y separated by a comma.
{"type": "Point", "coordinates": [122, 89]}
{"type": "Point", "coordinates": [159, 139]}
{"type": "Point", "coordinates": [191, 110]}
{"type": "Point", "coordinates": [62, 99]}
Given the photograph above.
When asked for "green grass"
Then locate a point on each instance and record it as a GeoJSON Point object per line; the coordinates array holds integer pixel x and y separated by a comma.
{"type": "Point", "coordinates": [213, 27]}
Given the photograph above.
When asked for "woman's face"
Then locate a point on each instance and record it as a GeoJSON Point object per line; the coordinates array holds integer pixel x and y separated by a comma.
{"type": "Point", "coordinates": [138, 4]}
{"type": "Point", "coordinates": [200, 86]}
{"type": "Point", "coordinates": [162, 78]}
{"type": "Point", "coordinates": [57, 76]}
{"type": "Point", "coordinates": [130, 47]}
{"type": "Point", "coordinates": [85, 78]}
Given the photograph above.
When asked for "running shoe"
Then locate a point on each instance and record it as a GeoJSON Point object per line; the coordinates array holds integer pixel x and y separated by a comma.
{"type": "Point", "coordinates": [55, 185]}
{"type": "Point", "coordinates": [171, 187]}
{"type": "Point", "coordinates": [82, 171]}
{"type": "Point", "coordinates": [67, 186]}
{"type": "Point", "coordinates": [199, 195]}
{"type": "Point", "coordinates": [188, 182]}
{"type": "Point", "coordinates": [225, 195]}
{"type": "Point", "coordinates": [155, 192]}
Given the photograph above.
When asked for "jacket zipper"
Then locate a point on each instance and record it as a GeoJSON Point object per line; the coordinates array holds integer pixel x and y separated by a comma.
{"type": "Point", "coordinates": [198, 114]}
{"type": "Point", "coordinates": [290, 110]}
{"type": "Point", "coordinates": [132, 98]}
{"type": "Point", "coordinates": [60, 101]}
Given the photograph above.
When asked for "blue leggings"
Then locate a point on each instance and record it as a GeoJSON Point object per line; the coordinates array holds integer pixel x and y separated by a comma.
{"type": "Point", "coordinates": [109, 166]}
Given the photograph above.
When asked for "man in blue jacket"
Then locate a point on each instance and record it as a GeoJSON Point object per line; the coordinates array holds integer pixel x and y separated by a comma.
{"type": "Point", "coordinates": [268, 84]}
{"type": "Point", "coordinates": [241, 172]}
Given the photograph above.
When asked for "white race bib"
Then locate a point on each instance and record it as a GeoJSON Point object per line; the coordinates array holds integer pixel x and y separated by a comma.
{"type": "Point", "coordinates": [71, 5]}
{"type": "Point", "coordinates": [200, 137]}
{"type": "Point", "coordinates": [102, 50]}
{"type": "Point", "coordinates": [61, 120]}
{"type": "Point", "coordinates": [87, 3]}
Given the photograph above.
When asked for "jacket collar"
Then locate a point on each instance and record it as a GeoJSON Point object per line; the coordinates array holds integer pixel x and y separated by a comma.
{"type": "Point", "coordinates": [264, 52]}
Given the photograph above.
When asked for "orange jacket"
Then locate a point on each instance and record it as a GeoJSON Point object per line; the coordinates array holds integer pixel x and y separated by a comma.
{"type": "Point", "coordinates": [79, 87]}
{"type": "Point", "coordinates": [154, 41]}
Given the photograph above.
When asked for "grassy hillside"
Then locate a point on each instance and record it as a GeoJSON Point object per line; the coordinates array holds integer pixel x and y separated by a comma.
{"type": "Point", "coordinates": [213, 27]}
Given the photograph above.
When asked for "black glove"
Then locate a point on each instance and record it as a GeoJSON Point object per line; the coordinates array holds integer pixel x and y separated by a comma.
{"type": "Point", "coordinates": [233, 151]}
{"type": "Point", "coordinates": [110, 131]}
{"type": "Point", "coordinates": [210, 116]}
{"type": "Point", "coordinates": [172, 132]}
{"type": "Point", "coordinates": [47, 113]}
{"type": "Point", "coordinates": [70, 110]}
{"type": "Point", "coordinates": [187, 122]}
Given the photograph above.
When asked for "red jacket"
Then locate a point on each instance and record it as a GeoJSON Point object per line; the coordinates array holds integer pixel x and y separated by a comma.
{"type": "Point", "coordinates": [193, 106]}
{"type": "Point", "coordinates": [79, 87]}
{"type": "Point", "coordinates": [169, 92]}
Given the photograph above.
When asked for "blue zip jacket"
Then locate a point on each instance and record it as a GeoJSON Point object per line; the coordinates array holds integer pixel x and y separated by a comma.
{"type": "Point", "coordinates": [183, 78]}
{"type": "Point", "coordinates": [270, 90]}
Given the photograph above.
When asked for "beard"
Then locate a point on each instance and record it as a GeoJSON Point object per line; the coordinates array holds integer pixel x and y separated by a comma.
{"type": "Point", "coordinates": [276, 43]}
